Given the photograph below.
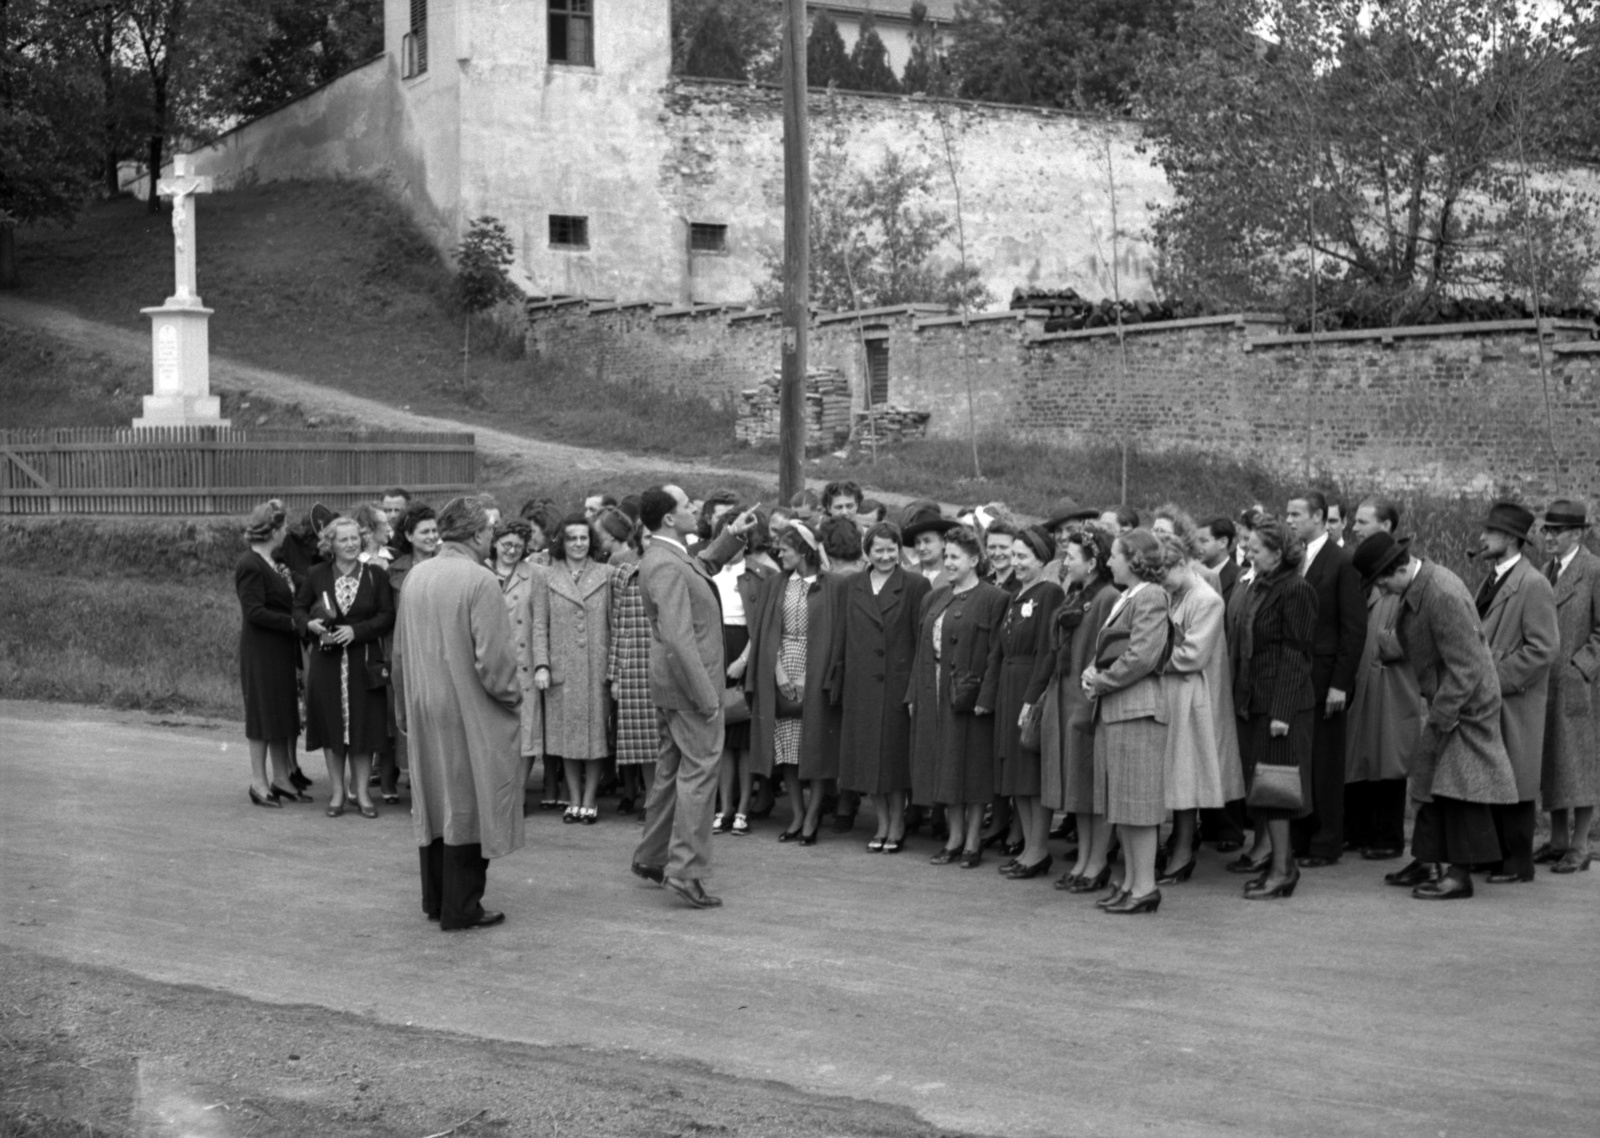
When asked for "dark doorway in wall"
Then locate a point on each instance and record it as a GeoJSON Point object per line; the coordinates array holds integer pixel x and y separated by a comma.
{"type": "Point", "coordinates": [876, 340]}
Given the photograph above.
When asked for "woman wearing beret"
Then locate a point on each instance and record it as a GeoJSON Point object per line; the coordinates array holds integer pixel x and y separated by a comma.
{"type": "Point", "coordinates": [874, 652]}
{"type": "Point", "coordinates": [269, 655]}
{"type": "Point", "coordinates": [349, 608]}
{"type": "Point", "coordinates": [1274, 699]}
{"type": "Point", "coordinates": [954, 680]}
{"type": "Point", "coordinates": [1066, 734]}
{"type": "Point", "coordinates": [1024, 664]}
{"type": "Point", "coordinates": [1130, 740]}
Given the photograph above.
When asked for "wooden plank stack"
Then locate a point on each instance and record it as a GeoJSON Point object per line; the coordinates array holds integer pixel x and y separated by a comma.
{"type": "Point", "coordinates": [827, 410]}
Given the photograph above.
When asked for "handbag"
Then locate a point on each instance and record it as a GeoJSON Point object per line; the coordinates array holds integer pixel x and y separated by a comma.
{"type": "Point", "coordinates": [1029, 738]}
{"type": "Point", "coordinates": [786, 708]}
{"type": "Point", "coordinates": [735, 708]}
{"type": "Point", "coordinates": [377, 675]}
{"type": "Point", "coordinates": [1276, 788]}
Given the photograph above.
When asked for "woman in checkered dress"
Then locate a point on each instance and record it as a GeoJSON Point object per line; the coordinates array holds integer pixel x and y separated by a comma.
{"type": "Point", "coordinates": [628, 662]}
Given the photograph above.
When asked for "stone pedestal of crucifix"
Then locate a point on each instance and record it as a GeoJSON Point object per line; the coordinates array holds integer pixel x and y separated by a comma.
{"type": "Point", "coordinates": [179, 341]}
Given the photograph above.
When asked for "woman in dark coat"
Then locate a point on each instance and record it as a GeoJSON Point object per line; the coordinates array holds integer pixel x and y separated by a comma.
{"type": "Point", "coordinates": [269, 654]}
{"type": "Point", "coordinates": [348, 607]}
{"type": "Point", "coordinates": [953, 686]}
{"type": "Point", "coordinates": [875, 645]}
{"type": "Point", "coordinates": [1025, 665]}
{"type": "Point", "coordinates": [1274, 698]}
{"type": "Point", "coordinates": [791, 642]}
{"type": "Point", "coordinates": [1066, 735]}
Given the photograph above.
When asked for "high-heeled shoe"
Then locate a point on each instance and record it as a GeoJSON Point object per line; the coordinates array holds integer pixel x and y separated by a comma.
{"type": "Point", "coordinates": [1117, 895]}
{"type": "Point", "coordinates": [1066, 881]}
{"type": "Point", "coordinates": [1283, 890]}
{"type": "Point", "coordinates": [945, 856]}
{"type": "Point", "coordinates": [971, 859]}
{"type": "Point", "coordinates": [1020, 872]}
{"type": "Point", "coordinates": [1012, 849]}
{"type": "Point", "coordinates": [1243, 864]}
{"type": "Point", "coordinates": [367, 810]}
{"type": "Point", "coordinates": [1130, 904]}
{"type": "Point", "coordinates": [335, 811]}
{"type": "Point", "coordinates": [1006, 866]}
{"type": "Point", "coordinates": [876, 845]}
{"type": "Point", "coordinates": [1094, 884]}
{"type": "Point", "coordinates": [893, 845]}
{"type": "Point", "coordinates": [811, 838]}
{"type": "Point", "coordinates": [266, 800]}
{"type": "Point", "coordinates": [298, 779]}
{"type": "Point", "coordinates": [292, 795]}
{"type": "Point", "coordinates": [1177, 876]}
{"type": "Point", "coordinates": [790, 835]}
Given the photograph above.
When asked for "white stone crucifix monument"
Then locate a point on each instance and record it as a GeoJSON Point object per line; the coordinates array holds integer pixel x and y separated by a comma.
{"type": "Point", "coordinates": [179, 341]}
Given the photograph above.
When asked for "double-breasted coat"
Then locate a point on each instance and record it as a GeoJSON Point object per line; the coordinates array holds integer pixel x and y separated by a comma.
{"type": "Point", "coordinates": [952, 747]}
{"type": "Point", "coordinates": [1386, 708]}
{"type": "Point", "coordinates": [1025, 665]}
{"type": "Point", "coordinates": [571, 630]}
{"type": "Point", "coordinates": [1202, 732]}
{"type": "Point", "coordinates": [517, 589]}
{"type": "Point", "coordinates": [269, 650]}
{"type": "Point", "coordinates": [1066, 733]}
{"type": "Point", "coordinates": [1272, 677]}
{"type": "Point", "coordinates": [1520, 628]}
{"type": "Point", "coordinates": [1460, 754]}
{"type": "Point", "coordinates": [452, 650]}
{"type": "Point", "coordinates": [1571, 775]}
{"type": "Point", "coordinates": [819, 725]}
{"type": "Point", "coordinates": [341, 710]}
{"type": "Point", "coordinates": [874, 648]}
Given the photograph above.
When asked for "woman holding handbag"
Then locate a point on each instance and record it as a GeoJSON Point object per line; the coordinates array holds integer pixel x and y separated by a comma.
{"type": "Point", "coordinates": [349, 608]}
{"type": "Point", "coordinates": [1130, 739]}
{"type": "Point", "coordinates": [1276, 703]}
{"type": "Point", "coordinates": [1024, 669]}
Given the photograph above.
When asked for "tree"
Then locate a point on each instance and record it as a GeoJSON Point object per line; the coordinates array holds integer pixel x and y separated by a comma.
{"type": "Point", "coordinates": [827, 62]}
{"type": "Point", "coordinates": [482, 258]}
{"type": "Point", "coordinates": [869, 59]}
{"type": "Point", "coordinates": [1047, 53]}
{"type": "Point", "coordinates": [1376, 158]}
{"type": "Point", "coordinates": [307, 43]}
{"type": "Point", "coordinates": [725, 39]}
{"type": "Point", "coordinates": [48, 143]}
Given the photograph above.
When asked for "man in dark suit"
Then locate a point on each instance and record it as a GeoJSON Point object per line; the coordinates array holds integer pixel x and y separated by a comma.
{"type": "Point", "coordinates": [1335, 654]}
{"type": "Point", "coordinates": [1214, 546]}
{"type": "Point", "coordinates": [686, 685]}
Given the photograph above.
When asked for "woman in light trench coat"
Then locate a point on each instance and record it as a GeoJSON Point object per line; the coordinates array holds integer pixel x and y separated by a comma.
{"type": "Point", "coordinates": [571, 632]}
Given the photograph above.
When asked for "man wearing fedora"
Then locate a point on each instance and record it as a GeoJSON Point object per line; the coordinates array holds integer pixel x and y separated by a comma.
{"type": "Point", "coordinates": [1570, 782]}
{"type": "Point", "coordinates": [1518, 608]}
{"type": "Point", "coordinates": [1459, 770]}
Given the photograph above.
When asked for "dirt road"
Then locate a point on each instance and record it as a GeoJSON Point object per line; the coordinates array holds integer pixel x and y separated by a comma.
{"type": "Point", "coordinates": [981, 1004]}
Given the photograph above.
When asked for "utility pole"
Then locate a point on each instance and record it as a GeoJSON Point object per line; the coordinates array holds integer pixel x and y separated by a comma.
{"type": "Point", "coordinates": [796, 255]}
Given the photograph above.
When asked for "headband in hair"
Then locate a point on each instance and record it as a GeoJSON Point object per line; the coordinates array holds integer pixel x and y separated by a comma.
{"type": "Point", "coordinates": [806, 535]}
{"type": "Point", "coordinates": [1036, 542]}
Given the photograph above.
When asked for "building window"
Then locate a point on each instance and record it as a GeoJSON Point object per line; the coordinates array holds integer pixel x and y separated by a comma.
{"type": "Point", "coordinates": [877, 344]}
{"type": "Point", "coordinates": [572, 32]}
{"type": "Point", "coordinates": [414, 44]}
{"type": "Point", "coordinates": [704, 238]}
{"type": "Point", "coordinates": [569, 232]}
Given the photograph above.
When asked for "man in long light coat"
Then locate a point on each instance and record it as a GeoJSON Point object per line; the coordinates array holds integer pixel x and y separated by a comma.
{"type": "Point", "coordinates": [1570, 784]}
{"type": "Point", "coordinates": [455, 666]}
{"type": "Point", "coordinates": [1518, 609]}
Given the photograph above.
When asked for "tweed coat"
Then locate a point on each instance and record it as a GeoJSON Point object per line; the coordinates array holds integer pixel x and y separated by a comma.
{"type": "Point", "coordinates": [874, 648]}
{"type": "Point", "coordinates": [452, 650]}
{"type": "Point", "coordinates": [1520, 628]}
{"type": "Point", "coordinates": [1202, 732]}
{"type": "Point", "coordinates": [819, 725]}
{"type": "Point", "coordinates": [1025, 663]}
{"type": "Point", "coordinates": [517, 589]}
{"type": "Point", "coordinates": [571, 631]}
{"type": "Point", "coordinates": [1571, 775]}
{"type": "Point", "coordinates": [1066, 733]}
{"type": "Point", "coordinates": [1386, 708]}
{"type": "Point", "coordinates": [1460, 754]}
{"type": "Point", "coordinates": [1129, 687]}
{"type": "Point", "coordinates": [628, 668]}
{"type": "Point", "coordinates": [1130, 741]}
{"type": "Point", "coordinates": [952, 752]}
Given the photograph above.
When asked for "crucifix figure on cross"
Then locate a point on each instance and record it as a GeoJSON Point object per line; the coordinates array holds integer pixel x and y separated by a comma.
{"type": "Point", "coordinates": [183, 183]}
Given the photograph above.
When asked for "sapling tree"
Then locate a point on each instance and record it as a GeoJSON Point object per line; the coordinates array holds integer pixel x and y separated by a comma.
{"type": "Point", "coordinates": [482, 258]}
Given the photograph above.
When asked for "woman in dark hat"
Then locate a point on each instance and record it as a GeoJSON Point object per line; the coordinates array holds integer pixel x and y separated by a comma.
{"type": "Point", "coordinates": [1024, 661]}
{"type": "Point", "coordinates": [923, 532]}
{"type": "Point", "coordinates": [269, 654]}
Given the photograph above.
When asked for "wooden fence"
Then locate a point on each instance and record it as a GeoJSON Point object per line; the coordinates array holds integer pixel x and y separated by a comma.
{"type": "Point", "coordinates": [211, 470]}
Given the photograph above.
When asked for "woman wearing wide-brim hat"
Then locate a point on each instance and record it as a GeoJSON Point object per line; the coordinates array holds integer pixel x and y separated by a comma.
{"type": "Point", "coordinates": [923, 532]}
{"type": "Point", "coordinates": [1569, 784]}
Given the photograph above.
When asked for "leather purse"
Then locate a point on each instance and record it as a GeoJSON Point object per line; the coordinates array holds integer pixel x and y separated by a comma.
{"type": "Point", "coordinates": [786, 708]}
{"type": "Point", "coordinates": [1029, 738]}
{"type": "Point", "coordinates": [377, 675]}
{"type": "Point", "coordinates": [1276, 788]}
{"type": "Point", "coordinates": [735, 708]}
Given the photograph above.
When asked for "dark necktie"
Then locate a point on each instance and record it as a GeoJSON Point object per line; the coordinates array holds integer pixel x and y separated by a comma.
{"type": "Point", "coordinates": [1553, 569]}
{"type": "Point", "coordinates": [1486, 594]}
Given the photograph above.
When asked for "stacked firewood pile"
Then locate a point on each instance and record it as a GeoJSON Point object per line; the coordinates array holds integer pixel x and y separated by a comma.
{"type": "Point", "coordinates": [1443, 310]}
{"type": "Point", "coordinates": [827, 410]}
{"type": "Point", "coordinates": [888, 425]}
{"type": "Point", "coordinates": [1070, 312]}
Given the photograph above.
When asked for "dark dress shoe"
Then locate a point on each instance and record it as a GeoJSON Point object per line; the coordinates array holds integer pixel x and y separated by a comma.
{"type": "Point", "coordinates": [1258, 891]}
{"type": "Point", "coordinates": [336, 811]}
{"type": "Point", "coordinates": [1504, 878]}
{"type": "Point", "coordinates": [1129, 904]}
{"type": "Point", "coordinates": [1020, 872]}
{"type": "Point", "coordinates": [972, 859]}
{"type": "Point", "coordinates": [1228, 845]}
{"type": "Point", "coordinates": [692, 891]}
{"type": "Point", "coordinates": [1067, 831]}
{"type": "Point", "coordinates": [653, 873]}
{"type": "Point", "coordinates": [1243, 864]}
{"type": "Point", "coordinates": [1380, 853]}
{"type": "Point", "coordinates": [289, 795]}
{"type": "Point", "coordinates": [1066, 881]}
{"type": "Point", "coordinates": [266, 800]}
{"type": "Point", "coordinates": [298, 779]}
{"type": "Point", "coordinates": [1547, 854]}
{"type": "Point", "coordinates": [1447, 888]}
{"type": "Point", "coordinates": [1112, 898]}
{"type": "Point", "coordinates": [1315, 862]}
{"type": "Point", "coordinates": [486, 919]}
{"type": "Point", "coordinates": [1093, 884]}
{"type": "Point", "coordinates": [1572, 862]}
{"type": "Point", "coordinates": [1177, 876]}
{"type": "Point", "coordinates": [789, 836]}
{"type": "Point", "coordinates": [811, 838]}
{"type": "Point", "coordinates": [945, 856]}
{"type": "Point", "coordinates": [893, 845]}
{"type": "Point", "coordinates": [1417, 873]}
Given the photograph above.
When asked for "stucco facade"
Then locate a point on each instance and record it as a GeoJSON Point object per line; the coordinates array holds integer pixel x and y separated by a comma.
{"type": "Point", "coordinates": [493, 126]}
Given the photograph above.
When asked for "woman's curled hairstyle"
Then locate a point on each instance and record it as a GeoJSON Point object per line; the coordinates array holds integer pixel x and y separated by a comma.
{"type": "Point", "coordinates": [1278, 537]}
{"type": "Point", "coordinates": [966, 539]}
{"type": "Point", "coordinates": [409, 521]}
{"type": "Point", "coordinates": [1143, 551]}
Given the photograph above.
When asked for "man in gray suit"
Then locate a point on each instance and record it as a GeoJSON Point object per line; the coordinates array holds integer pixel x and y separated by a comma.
{"type": "Point", "coordinates": [687, 679]}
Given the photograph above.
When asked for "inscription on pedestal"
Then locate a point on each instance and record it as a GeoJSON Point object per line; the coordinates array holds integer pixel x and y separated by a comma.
{"type": "Point", "coordinates": [167, 359]}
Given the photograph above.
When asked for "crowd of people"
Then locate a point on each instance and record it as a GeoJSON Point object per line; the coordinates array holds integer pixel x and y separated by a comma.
{"type": "Point", "coordinates": [1279, 686]}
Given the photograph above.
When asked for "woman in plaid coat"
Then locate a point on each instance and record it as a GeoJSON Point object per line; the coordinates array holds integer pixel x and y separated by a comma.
{"type": "Point", "coordinates": [628, 663]}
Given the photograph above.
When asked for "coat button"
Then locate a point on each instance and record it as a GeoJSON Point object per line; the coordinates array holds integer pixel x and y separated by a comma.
{"type": "Point", "coordinates": [880, 651]}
